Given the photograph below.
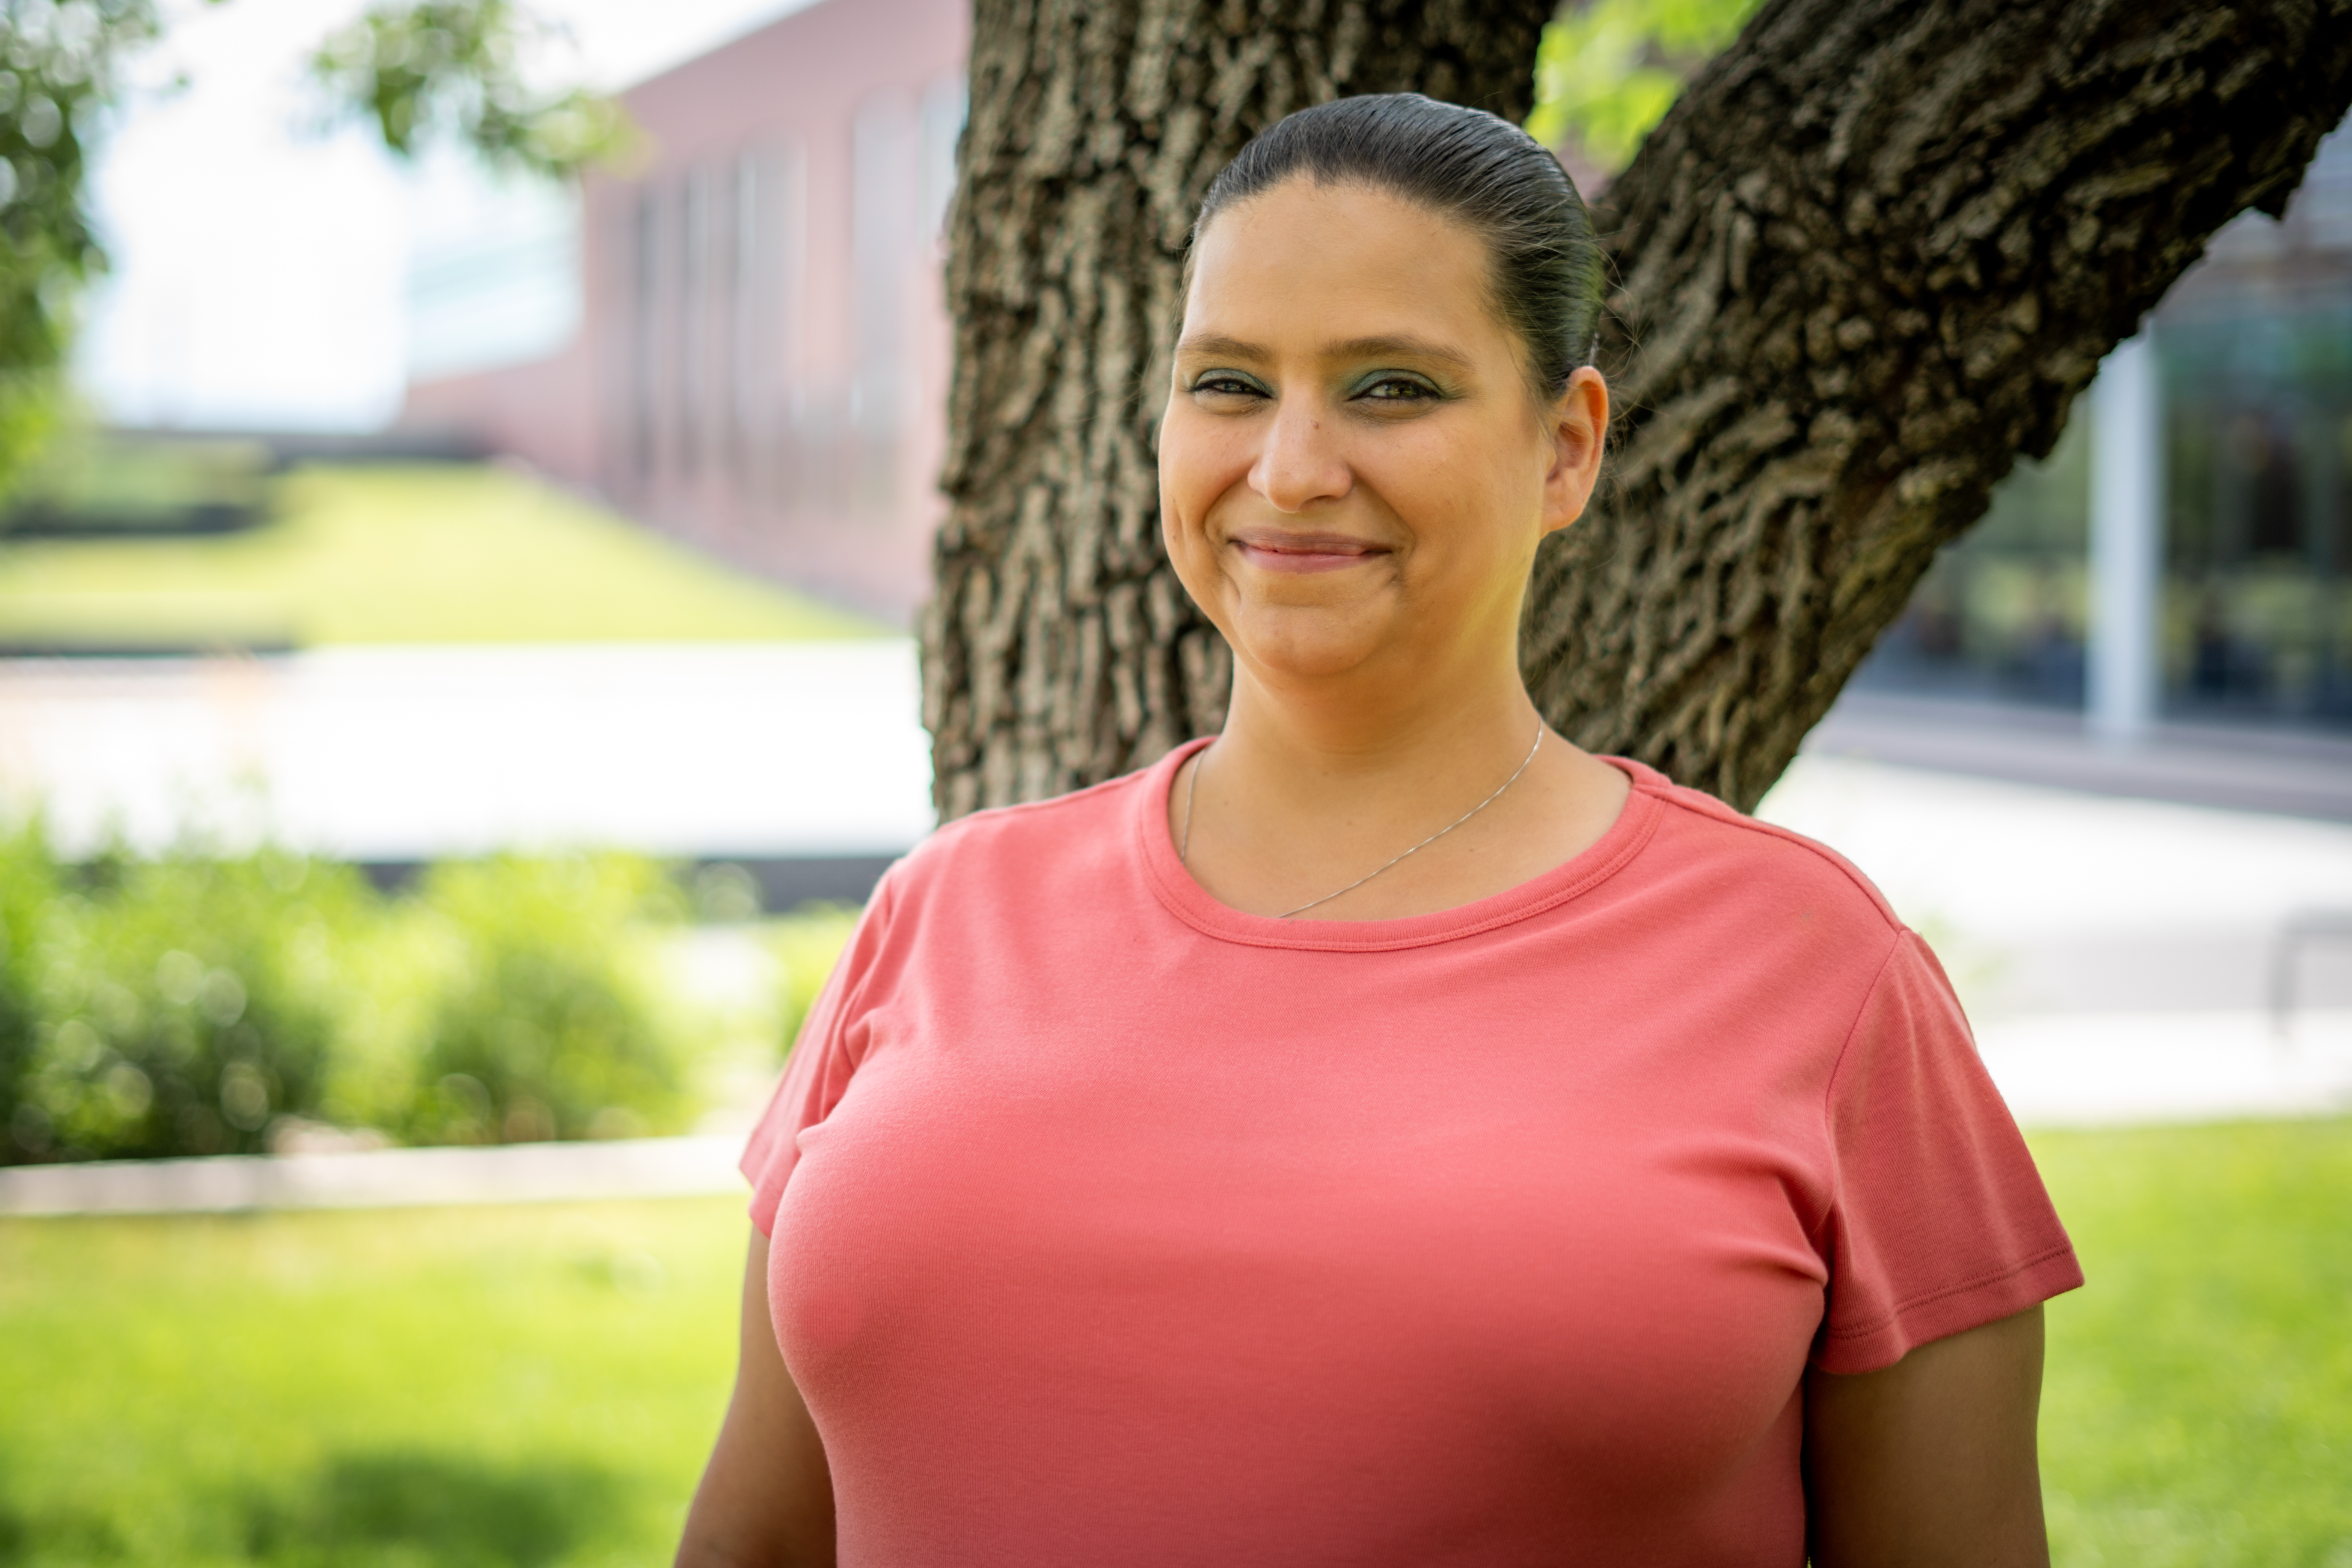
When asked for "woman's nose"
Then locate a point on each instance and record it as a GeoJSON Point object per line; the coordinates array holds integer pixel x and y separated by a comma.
{"type": "Point", "coordinates": [1300, 463]}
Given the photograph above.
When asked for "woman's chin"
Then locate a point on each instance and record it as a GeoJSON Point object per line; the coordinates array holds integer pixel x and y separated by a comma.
{"type": "Point", "coordinates": [1295, 645]}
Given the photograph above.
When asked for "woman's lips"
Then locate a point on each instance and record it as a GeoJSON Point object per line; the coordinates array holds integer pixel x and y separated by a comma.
{"type": "Point", "coordinates": [1305, 551]}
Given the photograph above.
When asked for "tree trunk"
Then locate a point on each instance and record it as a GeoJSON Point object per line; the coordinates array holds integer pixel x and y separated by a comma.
{"type": "Point", "coordinates": [1058, 648]}
{"type": "Point", "coordinates": [1870, 257]}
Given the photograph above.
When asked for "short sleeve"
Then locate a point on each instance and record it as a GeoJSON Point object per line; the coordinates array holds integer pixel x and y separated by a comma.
{"type": "Point", "coordinates": [819, 1069]}
{"type": "Point", "coordinates": [1940, 1222]}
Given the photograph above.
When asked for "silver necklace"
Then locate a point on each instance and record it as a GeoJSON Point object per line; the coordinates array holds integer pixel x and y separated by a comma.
{"type": "Point", "coordinates": [1193, 788]}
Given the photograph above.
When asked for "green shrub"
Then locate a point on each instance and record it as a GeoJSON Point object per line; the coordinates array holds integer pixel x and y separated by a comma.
{"type": "Point", "coordinates": [806, 945]}
{"type": "Point", "coordinates": [547, 1019]}
{"type": "Point", "coordinates": [198, 1005]}
{"type": "Point", "coordinates": [29, 884]}
{"type": "Point", "coordinates": [181, 1003]}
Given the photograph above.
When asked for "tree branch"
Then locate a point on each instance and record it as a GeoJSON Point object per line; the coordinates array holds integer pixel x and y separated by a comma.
{"type": "Point", "coordinates": [1867, 259]}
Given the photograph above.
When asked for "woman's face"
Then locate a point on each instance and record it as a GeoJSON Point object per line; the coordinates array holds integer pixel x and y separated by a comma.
{"type": "Point", "coordinates": [1353, 473]}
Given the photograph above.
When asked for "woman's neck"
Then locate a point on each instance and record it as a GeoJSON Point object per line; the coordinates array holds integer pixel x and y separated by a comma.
{"type": "Point", "coordinates": [1313, 785]}
{"type": "Point", "coordinates": [1306, 741]}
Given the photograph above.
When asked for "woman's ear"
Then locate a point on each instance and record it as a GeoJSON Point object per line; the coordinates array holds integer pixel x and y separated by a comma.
{"type": "Point", "coordinates": [1579, 423]}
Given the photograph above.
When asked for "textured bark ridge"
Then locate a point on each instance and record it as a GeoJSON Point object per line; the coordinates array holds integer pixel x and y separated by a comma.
{"type": "Point", "coordinates": [1868, 259]}
{"type": "Point", "coordinates": [1058, 648]}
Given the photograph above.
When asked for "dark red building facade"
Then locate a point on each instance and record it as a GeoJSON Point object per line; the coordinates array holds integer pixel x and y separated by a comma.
{"type": "Point", "coordinates": [761, 358]}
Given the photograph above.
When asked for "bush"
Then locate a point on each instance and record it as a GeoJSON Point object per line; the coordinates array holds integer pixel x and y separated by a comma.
{"type": "Point", "coordinates": [28, 885]}
{"type": "Point", "coordinates": [806, 945]}
{"type": "Point", "coordinates": [546, 1020]}
{"type": "Point", "coordinates": [183, 1005]}
{"type": "Point", "coordinates": [194, 1005]}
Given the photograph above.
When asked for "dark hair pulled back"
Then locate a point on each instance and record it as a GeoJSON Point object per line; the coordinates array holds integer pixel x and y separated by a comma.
{"type": "Point", "coordinates": [1469, 166]}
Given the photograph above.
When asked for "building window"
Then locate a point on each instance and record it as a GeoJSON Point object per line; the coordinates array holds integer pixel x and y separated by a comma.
{"type": "Point", "coordinates": [692, 334]}
{"type": "Point", "coordinates": [943, 117]}
{"type": "Point", "coordinates": [645, 273]}
{"type": "Point", "coordinates": [886, 188]}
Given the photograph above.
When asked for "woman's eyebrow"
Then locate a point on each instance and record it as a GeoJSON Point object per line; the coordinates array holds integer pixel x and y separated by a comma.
{"type": "Point", "coordinates": [1395, 347]}
{"type": "Point", "coordinates": [1212, 346]}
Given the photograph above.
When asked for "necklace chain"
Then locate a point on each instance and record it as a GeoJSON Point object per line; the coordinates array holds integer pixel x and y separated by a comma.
{"type": "Point", "coordinates": [1192, 789]}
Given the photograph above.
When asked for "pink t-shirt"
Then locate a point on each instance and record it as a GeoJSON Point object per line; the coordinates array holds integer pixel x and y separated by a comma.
{"type": "Point", "coordinates": [1112, 1225]}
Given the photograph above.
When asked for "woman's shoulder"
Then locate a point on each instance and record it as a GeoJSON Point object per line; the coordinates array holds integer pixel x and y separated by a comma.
{"type": "Point", "coordinates": [1703, 837]}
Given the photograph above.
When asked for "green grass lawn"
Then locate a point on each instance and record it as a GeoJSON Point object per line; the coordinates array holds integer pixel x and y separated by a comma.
{"type": "Point", "coordinates": [2198, 1402]}
{"type": "Point", "coordinates": [537, 1387]}
{"type": "Point", "coordinates": [414, 553]}
{"type": "Point", "coordinates": [530, 1386]}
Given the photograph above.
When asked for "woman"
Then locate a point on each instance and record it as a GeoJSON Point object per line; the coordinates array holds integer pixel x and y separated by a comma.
{"type": "Point", "coordinates": [1386, 1134]}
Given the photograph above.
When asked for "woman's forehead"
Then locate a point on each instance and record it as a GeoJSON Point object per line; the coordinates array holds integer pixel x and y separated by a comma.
{"type": "Point", "coordinates": [1333, 265]}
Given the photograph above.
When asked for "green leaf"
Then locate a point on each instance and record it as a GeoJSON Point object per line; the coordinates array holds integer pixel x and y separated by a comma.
{"type": "Point", "coordinates": [422, 69]}
{"type": "Point", "coordinates": [1608, 70]}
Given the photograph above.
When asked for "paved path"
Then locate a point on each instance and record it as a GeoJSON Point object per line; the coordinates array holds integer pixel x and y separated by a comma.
{"type": "Point", "coordinates": [2245, 768]}
{"type": "Point", "coordinates": [407, 753]}
{"type": "Point", "coordinates": [2116, 1069]}
{"type": "Point", "coordinates": [2116, 955]}
{"type": "Point", "coordinates": [380, 1178]}
{"type": "Point", "coordinates": [2045, 899]}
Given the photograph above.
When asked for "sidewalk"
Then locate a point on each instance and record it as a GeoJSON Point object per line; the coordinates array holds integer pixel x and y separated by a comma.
{"type": "Point", "coordinates": [2243, 768]}
{"type": "Point", "coordinates": [761, 751]}
{"type": "Point", "coordinates": [380, 1178]}
{"type": "Point", "coordinates": [2117, 1069]}
{"type": "Point", "coordinates": [2116, 956]}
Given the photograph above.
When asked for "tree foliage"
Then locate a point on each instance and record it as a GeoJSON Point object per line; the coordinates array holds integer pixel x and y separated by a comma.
{"type": "Point", "coordinates": [418, 70]}
{"type": "Point", "coordinates": [58, 64]}
{"type": "Point", "coordinates": [1608, 70]}
{"type": "Point", "coordinates": [453, 69]}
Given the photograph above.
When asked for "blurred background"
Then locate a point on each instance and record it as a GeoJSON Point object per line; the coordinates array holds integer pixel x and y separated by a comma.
{"type": "Point", "coordinates": [455, 692]}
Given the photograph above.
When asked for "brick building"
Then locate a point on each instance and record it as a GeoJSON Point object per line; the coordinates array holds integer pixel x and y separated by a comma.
{"type": "Point", "coordinates": [761, 348]}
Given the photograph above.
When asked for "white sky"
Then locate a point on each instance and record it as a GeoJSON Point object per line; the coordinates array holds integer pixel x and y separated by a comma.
{"type": "Point", "coordinates": [259, 267]}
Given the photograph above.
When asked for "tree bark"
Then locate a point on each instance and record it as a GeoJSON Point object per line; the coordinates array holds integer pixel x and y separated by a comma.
{"type": "Point", "coordinates": [1058, 648]}
{"type": "Point", "coordinates": [1870, 258]}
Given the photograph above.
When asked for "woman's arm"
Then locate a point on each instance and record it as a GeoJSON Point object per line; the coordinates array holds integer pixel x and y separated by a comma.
{"type": "Point", "coordinates": [766, 1497]}
{"type": "Point", "coordinates": [1931, 1461]}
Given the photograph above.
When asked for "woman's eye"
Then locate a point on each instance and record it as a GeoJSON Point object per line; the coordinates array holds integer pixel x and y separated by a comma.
{"type": "Point", "coordinates": [1397, 389]}
{"type": "Point", "coordinates": [1225, 386]}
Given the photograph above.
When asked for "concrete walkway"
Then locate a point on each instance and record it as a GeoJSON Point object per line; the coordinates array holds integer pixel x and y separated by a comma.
{"type": "Point", "coordinates": [757, 749]}
{"type": "Point", "coordinates": [380, 1178]}
{"type": "Point", "coordinates": [2117, 1069]}
{"type": "Point", "coordinates": [2117, 956]}
{"type": "Point", "coordinates": [2051, 901]}
{"type": "Point", "coordinates": [2244, 768]}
